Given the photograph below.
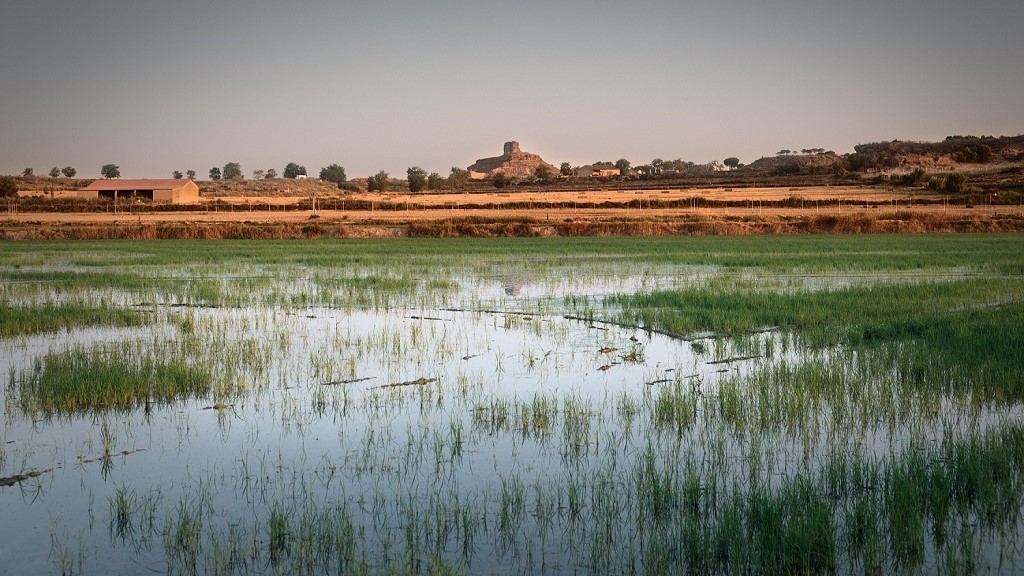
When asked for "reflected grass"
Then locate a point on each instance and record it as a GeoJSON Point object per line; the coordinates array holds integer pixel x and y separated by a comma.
{"type": "Point", "coordinates": [891, 444]}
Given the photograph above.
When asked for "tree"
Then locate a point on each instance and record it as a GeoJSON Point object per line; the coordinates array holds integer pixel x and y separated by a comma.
{"type": "Point", "coordinates": [293, 170]}
{"type": "Point", "coordinates": [543, 172]}
{"type": "Point", "coordinates": [417, 178]}
{"type": "Point", "coordinates": [731, 162]}
{"type": "Point", "coordinates": [177, 175]}
{"type": "Point", "coordinates": [981, 153]}
{"type": "Point", "coordinates": [955, 182]}
{"type": "Point", "coordinates": [215, 173]}
{"type": "Point", "coordinates": [258, 174]}
{"type": "Point", "coordinates": [377, 182]}
{"type": "Point", "coordinates": [8, 187]}
{"type": "Point", "coordinates": [191, 174]}
{"type": "Point", "coordinates": [54, 172]}
{"type": "Point", "coordinates": [28, 172]}
{"type": "Point", "coordinates": [623, 165]}
{"type": "Point", "coordinates": [458, 178]}
{"type": "Point", "coordinates": [232, 171]}
{"type": "Point", "coordinates": [436, 182]}
{"type": "Point", "coordinates": [565, 169]}
{"type": "Point", "coordinates": [500, 180]}
{"type": "Point", "coordinates": [271, 174]}
{"type": "Point", "coordinates": [333, 173]}
{"type": "Point", "coordinates": [69, 172]}
{"type": "Point", "coordinates": [109, 171]}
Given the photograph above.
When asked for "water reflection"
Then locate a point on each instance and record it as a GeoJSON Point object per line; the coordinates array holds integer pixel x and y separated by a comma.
{"type": "Point", "coordinates": [513, 287]}
{"type": "Point", "coordinates": [499, 436]}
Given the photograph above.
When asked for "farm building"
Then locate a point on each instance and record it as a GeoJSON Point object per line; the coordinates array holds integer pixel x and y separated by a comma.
{"type": "Point", "coordinates": [598, 171]}
{"type": "Point", "coordinates": [174, 191]}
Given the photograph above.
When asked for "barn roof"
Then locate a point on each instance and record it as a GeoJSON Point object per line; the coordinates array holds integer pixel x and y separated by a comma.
{"type": "Point", "coordinates": [139, 184]}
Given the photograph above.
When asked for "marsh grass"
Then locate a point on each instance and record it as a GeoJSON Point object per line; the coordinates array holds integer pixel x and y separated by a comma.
{"type": "Point", "coordinates": [132, 517]}
{"type": "Point", "coordinates": [877, 431]}
{"type": "Point", "coordinates": [820, 317]}
{"type": "Point", "coordinates": [962, 337]}
{"type": "Point", "coordinates": [118, 378]}
{"type": "Point", "coordinates": [51, 317]}
{"type": "Point", "coordinates": [810, 521]}
{"type": "Point", "coordinates": [183, 536]}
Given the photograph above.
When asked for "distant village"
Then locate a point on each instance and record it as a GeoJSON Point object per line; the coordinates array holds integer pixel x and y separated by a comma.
{"type": "Point", "coordinates": [934, 165]}
{"type": "Point", "coordinates": [513, 165]}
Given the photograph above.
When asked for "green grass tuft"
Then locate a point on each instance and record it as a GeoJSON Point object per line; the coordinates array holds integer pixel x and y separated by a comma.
{"type": "Point", "coordinates": [79, 381]}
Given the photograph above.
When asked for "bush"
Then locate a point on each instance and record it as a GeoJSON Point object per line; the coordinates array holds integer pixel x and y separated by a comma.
{"type": "Point", "coordinates": [8, 187]}
{"type": "Point", "coordinates": [500, 180]}
{"type": "Point", "coordinates": [787, 169]}
{"type": "Point", "coordinates": [974, 154]}
{"type": "Point", "coordinates": [914, 178]}
{"type": "Point", "coordinates": [955, 183]}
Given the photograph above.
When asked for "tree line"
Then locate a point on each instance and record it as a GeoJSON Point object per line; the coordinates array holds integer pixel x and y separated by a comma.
{"type": "Point", "coordinates": [55, 172]}
{"type": "Point", "coordinates": [418, 180]}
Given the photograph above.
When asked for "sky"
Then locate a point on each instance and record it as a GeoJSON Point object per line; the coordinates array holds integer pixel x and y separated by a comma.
{"type": "Point", "coordinates": [156, 86]}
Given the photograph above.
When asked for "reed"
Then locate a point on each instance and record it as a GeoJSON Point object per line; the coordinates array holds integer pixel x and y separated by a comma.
{"type": "Point", "coordinates": [885, 312]}
{"type": "Point", "coordinates": [876, 430]}
{"type": "Point", "coordinates": [52, 317]}
{"type": "Point", "coordinates": [118, 378]}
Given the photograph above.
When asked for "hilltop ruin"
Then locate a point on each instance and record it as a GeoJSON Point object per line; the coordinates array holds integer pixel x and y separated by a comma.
{"type": "Point", "coordinates": [514, 162]}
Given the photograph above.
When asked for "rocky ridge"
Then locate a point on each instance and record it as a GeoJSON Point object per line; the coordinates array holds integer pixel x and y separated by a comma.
{"type": "Point", "coordinates": [513, 162]}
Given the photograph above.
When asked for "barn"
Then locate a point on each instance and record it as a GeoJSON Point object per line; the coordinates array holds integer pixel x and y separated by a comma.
{"type": "Point", "coordinates": [598, 171]}
{"type": "Point", "coordinates": [174, 191]}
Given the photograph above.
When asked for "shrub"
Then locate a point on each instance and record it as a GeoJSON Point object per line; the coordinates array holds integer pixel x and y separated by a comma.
{"type": "Point", "coordinates": [787, 169]}
{"type": "Point", "coordinates": [8, 187]}
{"type": "Point", "coordinates": [914, 178]}
{"type": "Point", "coordinates": [980, 153]}
{"type": "Point", "coordinates": [955, 183]}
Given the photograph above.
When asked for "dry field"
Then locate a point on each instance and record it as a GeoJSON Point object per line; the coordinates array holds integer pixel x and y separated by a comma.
{"type": "Point", "coordinates": [596, 212]}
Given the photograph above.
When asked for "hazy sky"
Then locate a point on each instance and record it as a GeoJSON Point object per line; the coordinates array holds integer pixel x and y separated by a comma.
{"type": "Point", "coordinates": [155, 86]}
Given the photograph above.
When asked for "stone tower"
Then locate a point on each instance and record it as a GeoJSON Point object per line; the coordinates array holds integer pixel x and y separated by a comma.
{"type": "Point", "coordinates": [514, 162]}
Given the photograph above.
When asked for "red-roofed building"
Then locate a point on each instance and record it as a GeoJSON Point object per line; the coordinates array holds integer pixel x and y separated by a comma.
{"type": "Point", "coordinates": [174, 191]}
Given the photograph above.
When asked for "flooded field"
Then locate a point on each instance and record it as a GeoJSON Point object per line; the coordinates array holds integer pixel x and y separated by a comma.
{"type": "Point", "coordinates": [528, 406]}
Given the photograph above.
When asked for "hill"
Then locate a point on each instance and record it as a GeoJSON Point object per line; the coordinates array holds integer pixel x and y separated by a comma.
{"type": "Point", "coordinates": [820, 162]}
{"type": "Point", "coordinates": [272, 187]}
{"type": "Point", "coordinates": [945, 155]}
